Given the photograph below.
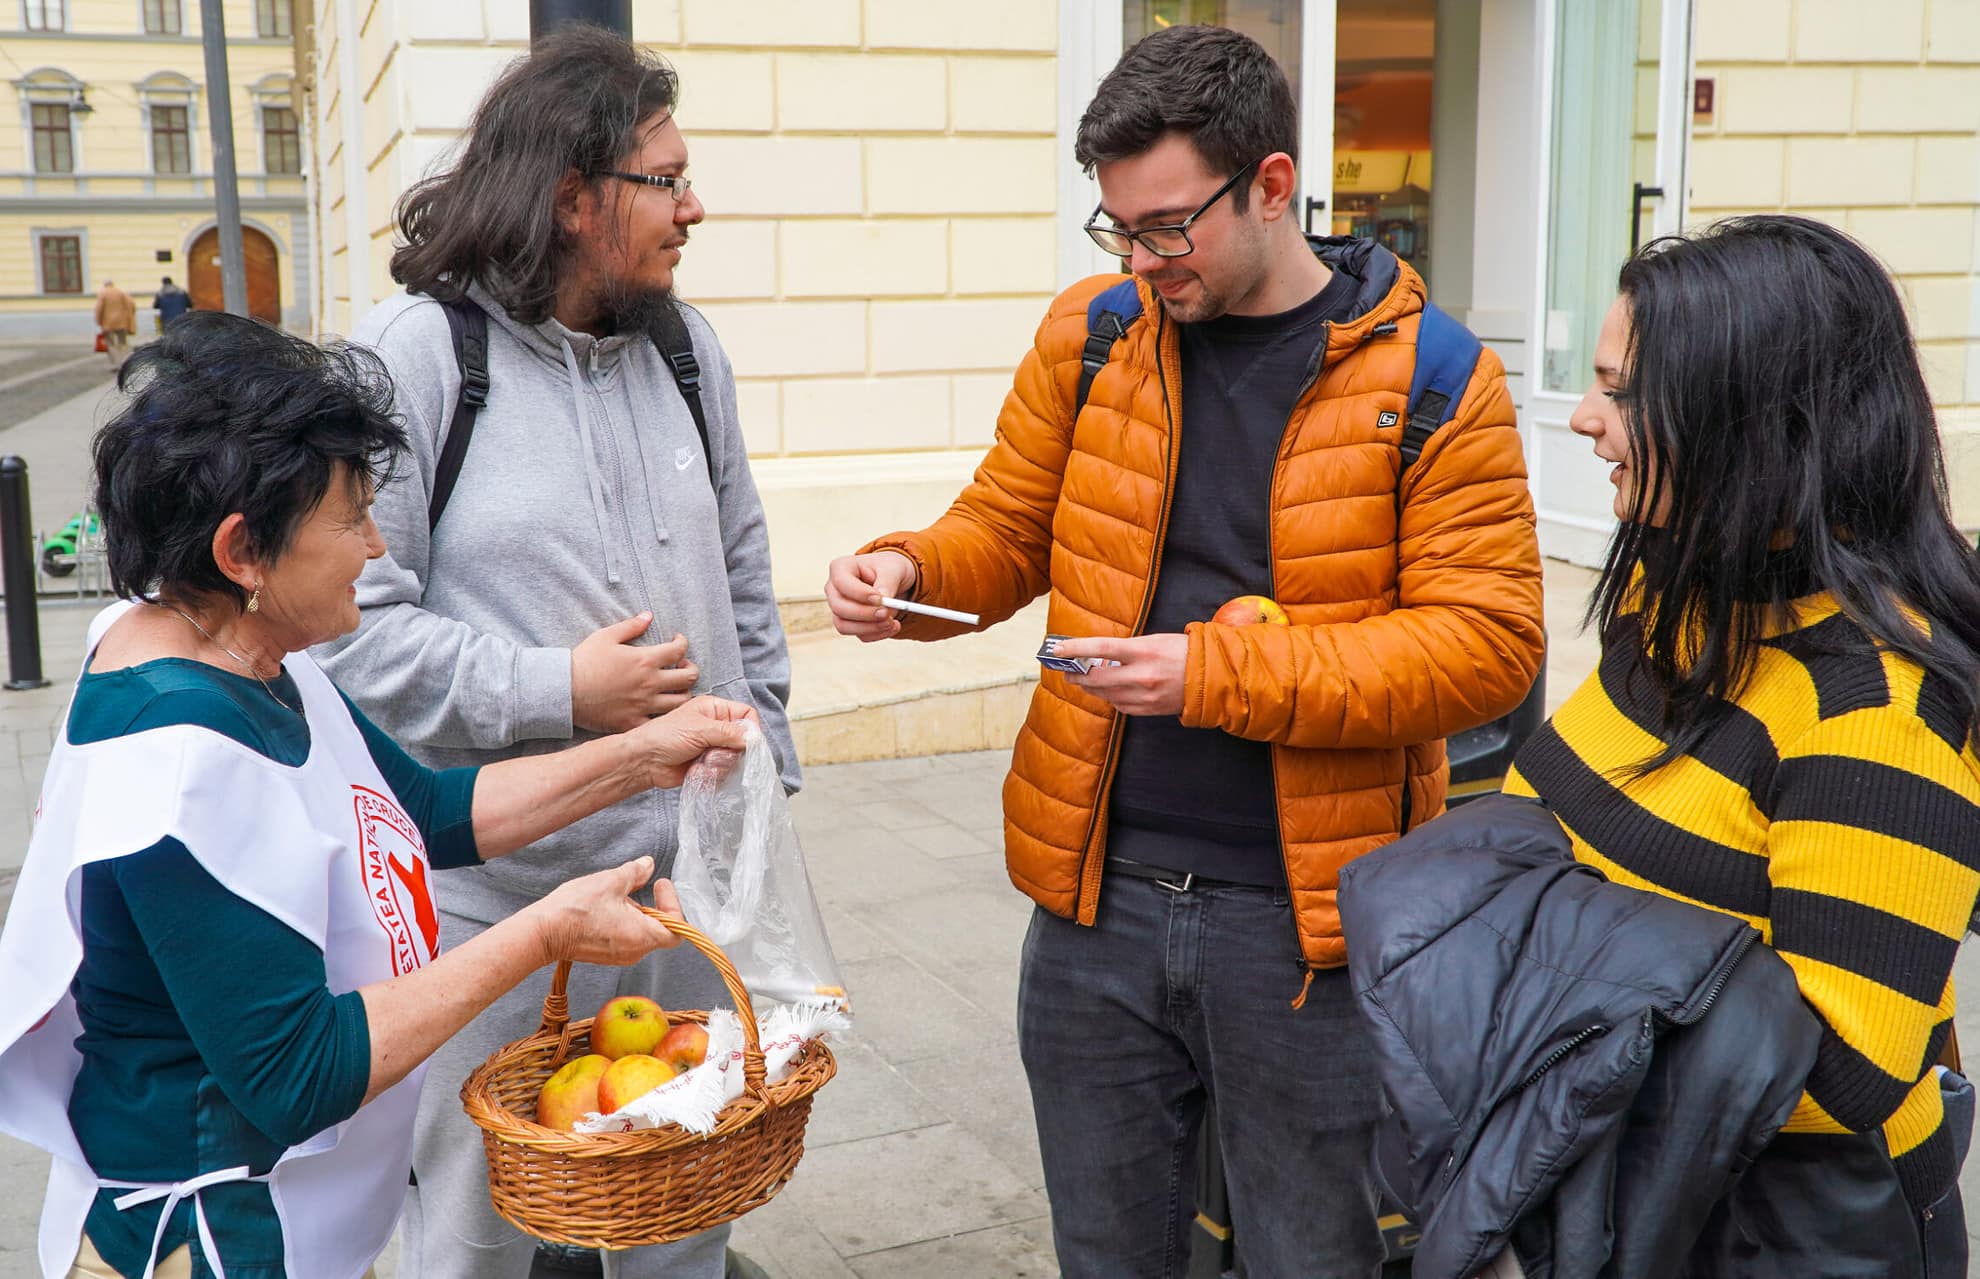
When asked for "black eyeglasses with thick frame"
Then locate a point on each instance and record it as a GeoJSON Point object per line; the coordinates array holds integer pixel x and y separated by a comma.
{"type": "Point", "coordinates": [1171, 241]}
{"type": "Point", "coordinates": [672, 185]}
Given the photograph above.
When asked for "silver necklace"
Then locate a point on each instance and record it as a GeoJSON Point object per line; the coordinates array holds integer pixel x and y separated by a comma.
{"type": "Point", "coordinates": [245, 664]}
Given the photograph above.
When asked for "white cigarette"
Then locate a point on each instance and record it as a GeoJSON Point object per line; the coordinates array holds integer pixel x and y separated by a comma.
{"type": "Point", "coordinates": [946, 614]}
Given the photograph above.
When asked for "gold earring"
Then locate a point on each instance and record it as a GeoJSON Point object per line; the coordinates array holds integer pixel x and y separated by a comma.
{"type": "Point", "coordinates": [254, 600]}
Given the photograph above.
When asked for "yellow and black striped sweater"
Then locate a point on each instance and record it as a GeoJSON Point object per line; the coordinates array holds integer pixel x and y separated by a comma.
{"type": "Point", "coordinates": [1834, 806]}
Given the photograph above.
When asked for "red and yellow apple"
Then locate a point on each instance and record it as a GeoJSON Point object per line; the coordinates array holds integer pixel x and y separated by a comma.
{"type": "Point", "coordinates": [685, 1047]}
{"type": "Point", "coordinates": [1250, 610]}
{"type": "Point", "coordinates": [630, 1078]}
{"type": "Point", "coordinates": [571, 1093]}
{"type": "Point", "coordinates": [627, 1024]}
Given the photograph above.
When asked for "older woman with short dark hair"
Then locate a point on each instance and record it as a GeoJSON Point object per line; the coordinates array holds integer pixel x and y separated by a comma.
{"type": "Point", "coordinates": [221, 956]}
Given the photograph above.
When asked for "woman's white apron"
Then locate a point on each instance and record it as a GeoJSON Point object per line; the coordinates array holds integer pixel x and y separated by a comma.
{"type": "Point", "coordinates": [324, 847]}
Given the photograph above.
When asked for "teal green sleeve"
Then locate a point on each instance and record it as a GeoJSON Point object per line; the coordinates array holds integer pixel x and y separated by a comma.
{"type": "Point", "coordinates": [440, 801]}
{"type": "Point", "coordinates": [293, 1058]}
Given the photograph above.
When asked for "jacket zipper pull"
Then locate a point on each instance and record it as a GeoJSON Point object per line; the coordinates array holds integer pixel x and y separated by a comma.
{"type": "Point", "coordinates": [1299, 1000]}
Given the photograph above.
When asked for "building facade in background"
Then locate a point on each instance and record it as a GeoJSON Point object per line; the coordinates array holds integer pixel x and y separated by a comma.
{"type": "Point", "coordinates": [892, 197]}
{"type": "Point", "coordinates": [106, 170]}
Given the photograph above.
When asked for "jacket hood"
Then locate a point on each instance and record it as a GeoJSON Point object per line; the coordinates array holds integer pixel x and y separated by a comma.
{"type": "Point", "coordinates": [549, 338]}
{"type": "Point", "coordinates": [1389, 288]}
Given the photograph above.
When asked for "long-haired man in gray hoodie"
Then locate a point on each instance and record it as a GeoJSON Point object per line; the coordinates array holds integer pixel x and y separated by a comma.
{"type": "Point", "coordinates": [593, 566]}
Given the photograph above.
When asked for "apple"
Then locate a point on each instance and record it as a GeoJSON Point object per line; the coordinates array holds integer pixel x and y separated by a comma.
{"type": "Point", "coordinates": [630, 1078]}
{"type": "Point", "coordinates": [571, 1093]}
{"type": "Point", "coordinates": [685, 1047]}
{"type": "Point", "coordinates": [627, 1024]}
{"type": "Point", "coordinates": [1247, 610]}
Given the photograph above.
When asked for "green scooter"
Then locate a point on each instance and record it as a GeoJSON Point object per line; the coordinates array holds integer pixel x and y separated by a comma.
{"type": "Point", "coordinates": [58, 553]}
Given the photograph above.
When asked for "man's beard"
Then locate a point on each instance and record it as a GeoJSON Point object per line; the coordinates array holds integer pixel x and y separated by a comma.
{"type": "Point", "coordinates": [626, 308]}
{"type": "Point", "coordinates": [1206, 305]}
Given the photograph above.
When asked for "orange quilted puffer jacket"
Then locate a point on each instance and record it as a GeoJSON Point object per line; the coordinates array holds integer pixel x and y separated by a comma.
{"type": "Point", "coordinates": [1398, 637]}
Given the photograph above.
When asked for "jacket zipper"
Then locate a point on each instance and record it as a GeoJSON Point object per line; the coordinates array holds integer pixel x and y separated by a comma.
{"type": "Point", "coordinates": [1313, 373]}
{"type": "Point", "coordinates": [1089, 865]}
{"type": "Point", "coordinates": [1574, 1041]}
{"type": "Point", "coordinates": [1580, 1037]}
{"type": "Point", "coordinates": [1719, 980]}
{"type": "Point", "coordinates": [1724, 975]}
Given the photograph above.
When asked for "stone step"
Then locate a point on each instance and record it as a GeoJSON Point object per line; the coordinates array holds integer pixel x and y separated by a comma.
{"type": "Point", "coordinates": [852, 701]}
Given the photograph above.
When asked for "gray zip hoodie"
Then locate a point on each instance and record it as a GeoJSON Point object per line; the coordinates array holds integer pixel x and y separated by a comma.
{"type": "Point", "coordinates": [583, 500]}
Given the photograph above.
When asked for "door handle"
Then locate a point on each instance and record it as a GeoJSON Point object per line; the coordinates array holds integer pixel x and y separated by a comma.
{"type": "Point", "coordinates": [1636, 213]}
{"type": "Point", "coordinates": [1313, 206]}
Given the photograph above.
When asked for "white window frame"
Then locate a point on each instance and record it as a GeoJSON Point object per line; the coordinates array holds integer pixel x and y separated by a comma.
{"type": "Point", "coordinates": [81, 235]}
{"type": "Point", "coordinates": [50, 86]}
{"type": "Point", "coordinates": [1544, 410]}
{"type": "Point", "coordinates": [61, 8]}
{"type": "Point", "coordinates": [273, 90]}
{"type": "Point", "coordinates": [171, 89]}
{"type": "Point", "coordinates": [142, 19]}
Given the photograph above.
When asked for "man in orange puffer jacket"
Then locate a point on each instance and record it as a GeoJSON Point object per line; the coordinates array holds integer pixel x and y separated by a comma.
{"type": "Point", "coordinates": [1181, 812]}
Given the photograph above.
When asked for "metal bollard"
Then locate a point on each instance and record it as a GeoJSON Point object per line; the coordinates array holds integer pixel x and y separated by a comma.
{"type": "Point", "coordinates": [17, 577]}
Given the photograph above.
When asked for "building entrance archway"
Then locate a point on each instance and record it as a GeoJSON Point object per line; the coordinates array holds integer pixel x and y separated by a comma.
{"type": "Point", "coordinates": [264, 278]}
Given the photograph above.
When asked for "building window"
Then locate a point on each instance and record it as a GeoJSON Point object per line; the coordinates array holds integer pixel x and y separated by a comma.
{"type": "Point", "coordinates": [163, 18]}
{"type": "Point", "coordinates": [61, 264]}
{"type": "Point", "coordinates": [43, 15]}
{"type": "Point", "coordinates": [271, 18]}
{"type": "Point", "coordinates": [281, 145]}
{"type": "Point", "coordinates": [54, 148]}
{"type": "Point", "coordinates": [171, 141]}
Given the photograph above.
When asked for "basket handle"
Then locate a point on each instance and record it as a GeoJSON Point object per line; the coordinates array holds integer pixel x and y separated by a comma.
{"type": "Point", "coordinates": [557, 1010]}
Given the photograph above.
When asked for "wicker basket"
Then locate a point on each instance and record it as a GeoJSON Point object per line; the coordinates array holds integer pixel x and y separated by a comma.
{"type": "Point", "coordinates": [654, 1185]}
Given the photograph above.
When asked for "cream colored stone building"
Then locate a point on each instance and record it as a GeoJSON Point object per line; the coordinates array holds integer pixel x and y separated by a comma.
{"type": "Point", "coordinates": [106, 169]}
{"type": "Point", "coordinates": [1866, 116]}
{"type": "Point", "coordinates": [892, 198]}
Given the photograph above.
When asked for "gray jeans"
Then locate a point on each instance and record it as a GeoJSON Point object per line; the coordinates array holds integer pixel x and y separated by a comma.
{"type": "Point", "coordinates": [449, 1229]}
{"type": "Point", "coordinates": [1127, 1027]}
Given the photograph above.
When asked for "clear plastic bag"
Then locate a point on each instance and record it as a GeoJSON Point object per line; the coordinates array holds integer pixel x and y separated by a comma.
{"type": "Point", "coordinates": [741, 879]}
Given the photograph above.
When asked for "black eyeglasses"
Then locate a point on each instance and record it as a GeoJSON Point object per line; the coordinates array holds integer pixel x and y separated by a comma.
{"type": "Point", "coordinates": [1163, 241]}
{"type": "Point", "coordinates": [676, 187]}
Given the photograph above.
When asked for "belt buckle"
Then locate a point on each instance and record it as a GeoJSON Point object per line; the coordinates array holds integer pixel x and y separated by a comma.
{"type": "Point", "coordinates": [1174, 887]}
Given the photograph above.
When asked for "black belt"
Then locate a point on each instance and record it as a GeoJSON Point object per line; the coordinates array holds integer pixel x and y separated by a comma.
{"type": "Point", "coordinates": [1176, 881]}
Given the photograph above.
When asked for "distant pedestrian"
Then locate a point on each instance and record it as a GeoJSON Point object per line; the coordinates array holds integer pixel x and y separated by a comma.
{"type": "Point", "coordinates": [116, 320]}
{"type": "Point", "coordinates": [171, 302]}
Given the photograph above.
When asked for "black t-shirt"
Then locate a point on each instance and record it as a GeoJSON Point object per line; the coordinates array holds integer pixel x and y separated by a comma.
{"type": "Point", "coordinates": [1195, 799]}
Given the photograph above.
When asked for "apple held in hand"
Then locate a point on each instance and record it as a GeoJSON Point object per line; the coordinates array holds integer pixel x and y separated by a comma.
{"type": "Point", "coordinates": [627, 1024]}
{"type": "Point", "coordinates": [1249, 610]}
{"type": "Point", "coordinates": [630, 1078]}
{"type": "Point", "coordinates": [685, 1047]}
{"type": "Point", "coordinates": [571, 1093]}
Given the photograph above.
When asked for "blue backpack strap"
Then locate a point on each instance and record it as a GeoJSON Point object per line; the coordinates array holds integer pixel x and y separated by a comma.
{"type": "Point", "coordinates": [1107, 318]}
{"type": "Point", "coordinates": [1446, 354]}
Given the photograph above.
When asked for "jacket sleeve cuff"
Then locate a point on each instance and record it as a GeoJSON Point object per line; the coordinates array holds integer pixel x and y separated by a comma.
{"type": "Point", "coordinates": [902, 544]}
{"type": "Point", "coordinates": [1194, 678]}
{"type": "Point", "coordinates": [543, 693]}
{"type": "Point", "coordinates": [913, 625]}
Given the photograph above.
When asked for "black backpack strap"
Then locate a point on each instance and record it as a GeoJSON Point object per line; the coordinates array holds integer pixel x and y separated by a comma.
{"type": "Point", "coordinates": [468, 324]}
{"type": "Point", "coordinates": [676, 346]}
{"type": "Point", "coordinates": [1107, 318]}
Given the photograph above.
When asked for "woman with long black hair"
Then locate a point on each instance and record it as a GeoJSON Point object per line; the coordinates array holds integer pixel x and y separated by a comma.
{"type": "Point", "coordinates": [1782, 725]}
